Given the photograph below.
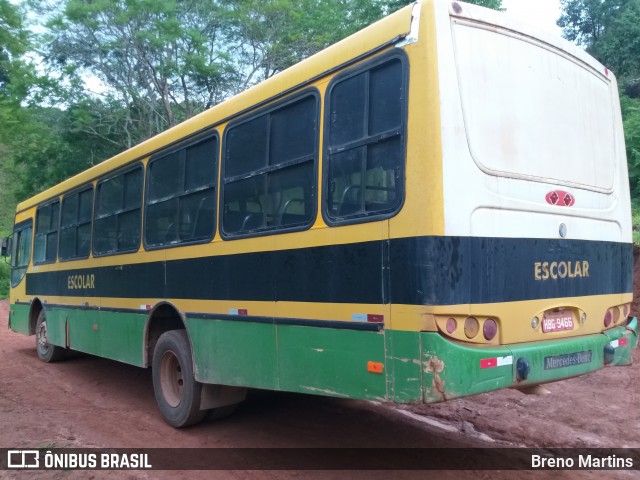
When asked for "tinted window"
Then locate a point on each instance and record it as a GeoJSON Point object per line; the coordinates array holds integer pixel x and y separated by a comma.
{"type": "Point", "coordinates": [21, 252]}
{"type": "Point", "coordinates": [181, 199]}
{"type": "Point", "coordinates": [75, 226]}
{"type": "Point", "coordinates": [364, 173]}
{"type": "Point", "coordinates": [117, 221]}
{"type": "Point", "coordinates": [269, 170]}
{"type": "Point", "coordinates": [46, 238]}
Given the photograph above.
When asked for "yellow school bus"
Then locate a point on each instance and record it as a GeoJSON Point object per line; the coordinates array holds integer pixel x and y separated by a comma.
{"type": "Point", "coordinates": [436, 206]}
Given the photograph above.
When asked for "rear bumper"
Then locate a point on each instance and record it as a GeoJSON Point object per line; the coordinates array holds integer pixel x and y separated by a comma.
{"type": "Point", "coordinates": [453, 370]}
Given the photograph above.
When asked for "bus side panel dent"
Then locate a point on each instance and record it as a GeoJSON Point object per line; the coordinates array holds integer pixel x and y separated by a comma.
{"type": "Point", "coordinates": [452, 370]}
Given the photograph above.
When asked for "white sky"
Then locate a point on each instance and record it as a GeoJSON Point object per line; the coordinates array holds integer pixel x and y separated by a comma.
{"type": "Point", "coordinates": [541, 13]}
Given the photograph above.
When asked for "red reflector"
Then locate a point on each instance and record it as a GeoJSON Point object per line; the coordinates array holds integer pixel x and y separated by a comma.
{"type": "Point", "coordinates": [560, 198]}
{"type": "Point", "coordinates": [375, 367]}
{"type": "Point", "coordinates": [242, 311]}
{"type": "Point", "coordinates": [488, 362]}
{"type": "Point", "coordinates": [95, 327]}
{"type": "Point", "coordinates": [372, 318]}
{"type": "Point", "coordinates": [496, 362]}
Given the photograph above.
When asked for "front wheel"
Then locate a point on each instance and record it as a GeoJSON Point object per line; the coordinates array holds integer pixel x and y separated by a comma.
{"type": "Point", "coordinates": [176, 389]}
{"type": "Point", "coordinates": [46, 351]}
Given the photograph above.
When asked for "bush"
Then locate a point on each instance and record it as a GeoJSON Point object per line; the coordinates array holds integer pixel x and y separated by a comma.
{"type": "Point", "coordinates": [4, 279]}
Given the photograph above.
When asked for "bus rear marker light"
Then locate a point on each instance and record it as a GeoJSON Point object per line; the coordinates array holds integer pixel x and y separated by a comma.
{"type": "Point", "coordinates": [375, 367]}
{"type": "Point", "coordinates": [471, 327]}
{"type": "Point", "coordinates": [560, 198]}
{"type": "Point", "coordinates": [452, 324]}
{"type": "Point", "coordinates": [607, 318]}
{"type": "Point", "coordinates": [489, 329]}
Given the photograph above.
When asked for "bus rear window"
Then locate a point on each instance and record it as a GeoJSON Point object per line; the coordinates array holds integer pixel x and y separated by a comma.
{"type": "Point", "coordinates": [534, 112]}
{"type": "Point", "coordinates": [364, 175]}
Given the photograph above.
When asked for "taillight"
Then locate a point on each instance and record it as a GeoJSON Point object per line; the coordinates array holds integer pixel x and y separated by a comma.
{"type": "Point", "coordinates": [471, 327]}
{"type": "Point", "coordinates": [489, 328]}
{"type": "Point", "coordinates": [452, 324]}
{"type": "Point", "coordinates": [608, 317]}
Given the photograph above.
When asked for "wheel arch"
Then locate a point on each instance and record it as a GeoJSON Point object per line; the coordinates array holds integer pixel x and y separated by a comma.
{"type": "Point", "coordinates": [36, 307]}
{"type": "Point", "coordinates": [163, 317]}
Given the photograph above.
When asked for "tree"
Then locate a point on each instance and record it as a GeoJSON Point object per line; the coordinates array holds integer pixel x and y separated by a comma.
{"type": "Point", "coordinates": [610, 30]}
{"type": "Point", "coordinates": [584, 21]}
{"type": "Point", "coordinates": [631, 115]}
{"type": "Point", "coordinates": [163, 59]}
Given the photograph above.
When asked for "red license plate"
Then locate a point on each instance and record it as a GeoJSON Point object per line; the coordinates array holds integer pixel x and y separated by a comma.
{"type": "Point", "coordinates": [557, 322]}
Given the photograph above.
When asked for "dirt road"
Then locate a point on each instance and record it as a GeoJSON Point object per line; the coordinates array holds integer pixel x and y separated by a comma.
{"type": "Point", "coordinates": [87, 401]}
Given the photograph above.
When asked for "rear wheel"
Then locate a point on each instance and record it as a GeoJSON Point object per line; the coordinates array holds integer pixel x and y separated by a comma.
{"type": "Point", "coordinates": [46, 351]}
{"type": "Point", "coordinates": [177, 391]}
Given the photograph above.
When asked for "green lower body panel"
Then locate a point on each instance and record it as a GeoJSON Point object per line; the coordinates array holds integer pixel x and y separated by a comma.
{"type": "Point", "coordinates": [293, 358]}
{"type": "Point", "coordinates": [454, 370]}
{"type": "Point", "coordinates": [398, 366]}
{"type": "Point", "coordinates": [19, 318]}
{"type": "Point", "coordinates": [115, 335]}
{"type": "Point", "coordinates": [331, 362]}
{"type": "Point", "coordinates": [234, 353]}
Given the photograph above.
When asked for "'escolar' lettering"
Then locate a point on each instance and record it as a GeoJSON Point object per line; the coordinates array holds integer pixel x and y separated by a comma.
{"type": "Point", "coordinates": [75, 282]}
{"type": "Point", "coordinates": [555, 270]}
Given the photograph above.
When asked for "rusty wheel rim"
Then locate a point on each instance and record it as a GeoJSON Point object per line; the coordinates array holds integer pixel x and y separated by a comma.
{"type": "Point", "coordinates": [171, 379]}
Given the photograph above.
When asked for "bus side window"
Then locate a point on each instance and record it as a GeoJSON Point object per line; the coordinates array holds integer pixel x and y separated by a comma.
{"type": "Point", "coordinates": [117, 214]}
{"type": "Point", "coordinates": [181, 195]}
{"type": "Point", "coordinates": [269, 169]}
{"type": "Point", "coordinates": [46, 239]}
{"type": "Point", "coordinates": [364, 143]}
{"type": "Point", "coordinates": [75, 224]}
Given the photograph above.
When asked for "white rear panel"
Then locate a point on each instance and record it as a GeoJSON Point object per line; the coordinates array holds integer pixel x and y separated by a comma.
{"type": "Point", "coordinates": [550, 108]}
{"type": "Point", "coordinates": [524, 114]}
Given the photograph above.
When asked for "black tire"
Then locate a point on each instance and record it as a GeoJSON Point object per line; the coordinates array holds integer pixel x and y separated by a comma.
{"type": "Point", "coordinates": [47, 352]}
{"type": "Point", "coordinates": [177, 391]}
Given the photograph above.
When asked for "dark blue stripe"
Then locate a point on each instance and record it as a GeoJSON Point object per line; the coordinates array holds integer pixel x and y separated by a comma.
{"type": "Point", "coordinates": [414, 271]}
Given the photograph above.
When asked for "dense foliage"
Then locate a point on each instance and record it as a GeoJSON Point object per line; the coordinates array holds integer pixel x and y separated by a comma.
{"type": "Point", "coordinates": [610, 31]}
